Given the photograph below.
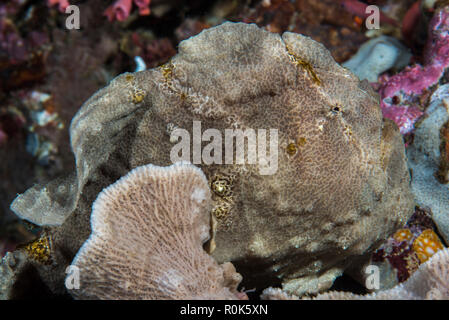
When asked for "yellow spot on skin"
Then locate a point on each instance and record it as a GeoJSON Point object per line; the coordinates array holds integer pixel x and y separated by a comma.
{"type": "Point", "coordinates": [221, 211]}
{"type": "Point", "coordinates": [129, 78]}
{"type": "Point", "coordinates": [223, 197]}
{"type": "Point", "coordinates": [426, 245]}
{"type": "Point", "coordinates": [302, 141]}
{"type": "Point", "coordinates": [222, 186]}
{"type": "Point", "coordinates": [222, 214]}
{"type": "Point", "coordinates": [39, 249]}
{"type": "Point", "coordinates": [167, 71]}
{"type": "Point", "coordinates": [291, 149]}
{"type": "Point", "coordinates": [305, 65]}
{"type": "Point", "coordinates": [137, 96]}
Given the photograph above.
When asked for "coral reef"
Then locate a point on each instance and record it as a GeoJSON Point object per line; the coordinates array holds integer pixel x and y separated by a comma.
{"type": "Point", "coordinates": [411, 19]}
{"type": "Point", "coordinates": [11, 122]}
{"type": "Point", "coordinates": [154, 52]}
{"type": "Point", "coordinates": [121, 9]}
{"type": "Point", "coordinates": [38, 57]}
{"type": "Point", "coordinates": [22, 59]}
{"type": "Point", "coordinates": [45, 75]}
{"type": "Point", "coordinates": [62, 4]}
{"type": "Point", "coordinates": [426, 245]}
{"type": "Point", "coordinates": [325, 21]}
{"type": "Point", "coordinates": [151, 226]}
{"type": "Point", "coordinates": [429, 282]}
{"type": "Point", "coordinates": [11, 267]}
{"type": "Point", "coordinates": [424, 160]}
{"type": "Point", "coordinates": [5, 246]}
{"type": "Point", "coordinates": [403, 252]}
{"type": "Point", "coordinates": [400, 93]}
{"type": "Point", "coordinates": [341, 187]}
{"type": "Point", "coordinates": [20, 279]}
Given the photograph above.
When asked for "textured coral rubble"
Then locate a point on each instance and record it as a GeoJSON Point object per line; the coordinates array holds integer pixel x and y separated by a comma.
{"type": "Point", "coordinates": [430, 282]}
{"type": "Point", "coordinates": [401, 93]}
{"type": "Point", "coordinates": [342, 185]}
{"type": "Point", "coordinates": [398, 258]}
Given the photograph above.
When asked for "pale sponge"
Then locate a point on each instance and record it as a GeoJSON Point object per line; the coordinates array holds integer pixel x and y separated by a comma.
{"type": "Point", "coordinates": [377, 56]}
{"type": "Point", "coordinates": [148, 230]}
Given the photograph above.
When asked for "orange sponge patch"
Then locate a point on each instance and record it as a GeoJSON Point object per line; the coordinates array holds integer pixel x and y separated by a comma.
{"type": "Point", "coordinates": [403, 235]}
{"type": "Point", "coordinates": [426, 245]}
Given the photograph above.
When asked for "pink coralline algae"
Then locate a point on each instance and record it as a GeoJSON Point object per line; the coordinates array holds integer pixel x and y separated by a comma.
{"type": "Point", "coordinates": [400, 93]}
{"type": "Point", "coordinates": [62, 4]}
{"type": "Point", "coordinates": [121, 9]}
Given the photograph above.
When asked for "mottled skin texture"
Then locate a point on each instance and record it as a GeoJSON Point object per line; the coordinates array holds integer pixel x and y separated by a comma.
{"type": "Point", "coordinates": [341, 187]}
